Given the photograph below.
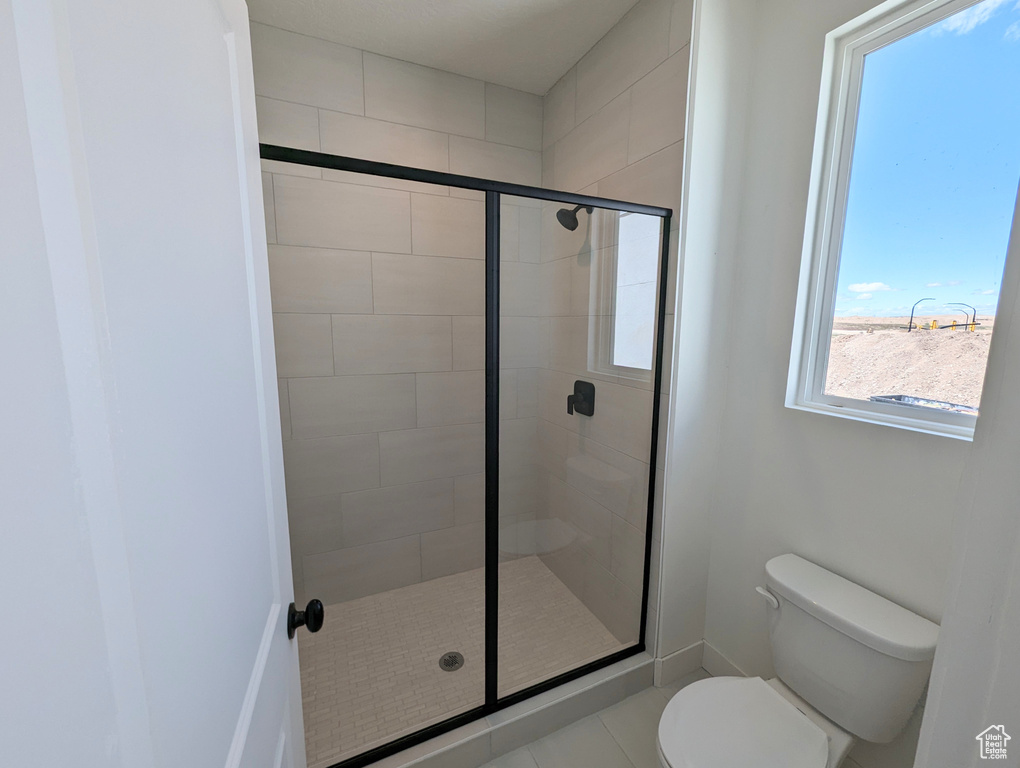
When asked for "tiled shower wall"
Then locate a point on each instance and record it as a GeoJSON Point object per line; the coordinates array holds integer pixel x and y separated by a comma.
{"type": "Point", "coordinates": [378, 300]}
{"type": "Point", "coordinates": [378, 290]}
{"type": "Point", "coordinates": [613, 127]}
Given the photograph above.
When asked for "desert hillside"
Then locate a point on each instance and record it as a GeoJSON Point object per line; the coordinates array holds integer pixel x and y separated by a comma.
{"type": "Point", "coordinates": [876, 356]}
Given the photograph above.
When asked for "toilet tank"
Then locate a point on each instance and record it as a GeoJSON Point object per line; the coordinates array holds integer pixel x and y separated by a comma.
{"type": "Point", "coordinates": [859, 659]}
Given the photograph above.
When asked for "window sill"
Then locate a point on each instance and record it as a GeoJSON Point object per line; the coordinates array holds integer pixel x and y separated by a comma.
{"type": "Point", "coordinates": [956, 426]}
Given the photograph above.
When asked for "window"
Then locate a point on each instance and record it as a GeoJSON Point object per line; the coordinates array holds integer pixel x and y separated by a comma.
{"type": "Point", "coordinates": [913, 189]}
{"type": "Point", "coordinates": [623, 296]}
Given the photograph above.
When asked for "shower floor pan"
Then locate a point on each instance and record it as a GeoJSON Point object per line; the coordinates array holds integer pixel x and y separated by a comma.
{"type": "Point", "coordinates": [373, 674]}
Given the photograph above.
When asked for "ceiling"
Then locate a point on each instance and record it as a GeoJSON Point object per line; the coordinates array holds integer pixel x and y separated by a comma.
{"type": "Point", "coordinates": [523, 44]}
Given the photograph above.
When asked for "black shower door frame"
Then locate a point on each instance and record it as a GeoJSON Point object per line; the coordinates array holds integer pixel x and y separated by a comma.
{"type": "Point", "coordinates": [493, 191]}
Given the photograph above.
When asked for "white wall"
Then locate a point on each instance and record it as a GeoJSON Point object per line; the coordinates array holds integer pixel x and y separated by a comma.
{"type": "Point", "coordinates": [720, 62]}
{"type": "Point", "coordinates": [976, 679]}
{"type": "Point", "coordinates": [874, 504]}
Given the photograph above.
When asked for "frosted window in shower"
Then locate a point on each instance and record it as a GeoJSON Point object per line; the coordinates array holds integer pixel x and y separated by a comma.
{"type": "Point", "coordinates": [625, 263]}
{"type": "Point", "coordinates": [636, 272]}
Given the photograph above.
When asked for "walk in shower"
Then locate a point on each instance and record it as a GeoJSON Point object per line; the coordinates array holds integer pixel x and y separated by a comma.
{"type": "Point", "coordinates": [469, 379]}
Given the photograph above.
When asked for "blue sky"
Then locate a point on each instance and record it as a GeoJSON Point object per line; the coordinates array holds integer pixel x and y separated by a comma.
{"type": "Point", "coordinates": [936, 166]}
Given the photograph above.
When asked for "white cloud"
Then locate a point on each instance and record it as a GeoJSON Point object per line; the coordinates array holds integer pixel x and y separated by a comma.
{"type": "Point", "coordinates": [989, 292]}
{"type": "Point", "coordinates": [933, 285]}
{"type": "Point", "coordinates": [1013, 32]}
{"type": "Point", "coordinates": [868, 287]}
{"type": "Point", "coordinates": [955, 282]}
{"type": "Point", "coordinates": [966, 21]}
{"type": "Point", "coordinates": [863, 296]}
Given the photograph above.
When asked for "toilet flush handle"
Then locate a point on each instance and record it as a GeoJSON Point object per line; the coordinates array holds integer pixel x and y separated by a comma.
{"type": "Point", "coordinates": [773, 600]}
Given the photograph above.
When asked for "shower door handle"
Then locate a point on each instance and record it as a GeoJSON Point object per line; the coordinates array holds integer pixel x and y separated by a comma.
{"type": "Point", "coordinates": [312, 617]}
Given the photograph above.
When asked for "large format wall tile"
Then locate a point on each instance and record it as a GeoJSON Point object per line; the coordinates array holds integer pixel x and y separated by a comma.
{"type": "Point", "coordinates": [559, 243]}
{"type": "Point", "coordinates": [291, 169]}
{"type": "Point", "coordinates": [594, 149]}
{"type": "Point", "coordinates": [623, 415]}
{"type": "Point", "coordinates": [569, 564]}
{"type": "Point", "coordinates": [331, 465]}
{"type": "Point", "coordinates": [507, 393]}
{"type": "Point", "coordinates": [568, 344]}
{"type": "Point", "coordinates": [658, 107]}
{"type": "Point", "coordinates": [315, 524]}
{"type": "Point", "coordinates": [303, 345]}
{"type": "Point", "coordinates": [396, 511]}
{"type": "Point", "coordinates": [680, 21]}
{"type": "Point", "coordinates": [628, 554]}
{"type": "Point", "coordinates": [485, 159]}
{"type": "Point", "coordinates": [631, 49]}
{"type": "Point", "coordinates": [523, 342]}
{"type": "Point", "coordinates": [447, 226]}
{"type": "Point", "coordinates": [468, 343]}
{"type": "Point", "coordinates": [623, 419]}
{"type": "Point", "coordinates": [346, 574]}
{"type": "Point", "coordinates": [615, 480]}
{"type": "Point", "coordinates": [287, 124]}
{"type": "Point", "coordinates": [319, 280]}
{"type": "Point", "coordinates": [469, 498]}
{"type": "Point", "coordinates": [270, 206]}
{"type": "Point", "coordinates": [521, 290]}
{"type": "Point", "coordinates": [653, 180]}
{"type": "Point", "coordinates": [391, 344]}
{"type": "Point", "coordinates": [306, 70]}
{"type": "Point", "coordinates": [558, 109]}
{"type": "Point", "coordinates": [450, 398]}
{"type": "Point", "coordinates": [406, 93]}
{"type": "Point", "coordinates": [509, 231]}
{"type": "Point", "coordinates": [327, 214]}
{"type": "Point", "coordinates": [369, 139]}
{"type": "Point", "coordinates": [284, 397]}
{"type": "Point", "coordinates": [513, 117]}
{"type": "Point", "coordinates": [591, 520]}
{"type": "Point", "coordinates": [350, 405]}
{"type": "Point", "coordinates": [454, 550]}
{"type": "Point", "coordinates": [616, 606]}
{"type": "Point", "coordinates": [424, 454]}
{"type": "Point", "coordinates": [427, 285]}
{"type": "Point", "coordinates": [529, 243]}
{"type": "Point", "coordinates": [527, 393]}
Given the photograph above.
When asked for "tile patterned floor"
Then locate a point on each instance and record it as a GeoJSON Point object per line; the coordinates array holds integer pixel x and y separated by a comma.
{"type": "Point", "coordinates": [372, 674]}
{"type": "Point", "coordinates": [622, 736]}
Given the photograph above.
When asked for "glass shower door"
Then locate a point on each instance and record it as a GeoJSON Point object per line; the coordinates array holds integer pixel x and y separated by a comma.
{"type": "Point", "coordinates": [467, 440]}
{"type": "Point", "coordinates": [578, 312]}
{"type": "Point", "coordinates": [378, 296]}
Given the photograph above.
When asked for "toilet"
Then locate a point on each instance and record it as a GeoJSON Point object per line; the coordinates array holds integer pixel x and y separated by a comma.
{"type": "Point", "coordinates": [849, 664]}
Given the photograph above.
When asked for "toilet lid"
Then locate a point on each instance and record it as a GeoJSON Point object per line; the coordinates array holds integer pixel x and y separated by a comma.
{"type": "Point", "coordinates": [736, 722]}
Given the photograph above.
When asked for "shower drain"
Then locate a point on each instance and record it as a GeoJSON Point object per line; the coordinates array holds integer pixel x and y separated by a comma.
{"type": "Point", "coordinates": [451, 662]}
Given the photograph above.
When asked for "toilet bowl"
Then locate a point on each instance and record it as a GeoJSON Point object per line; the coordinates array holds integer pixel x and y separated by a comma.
{"type": "Point", "coordinates": [849, 663]}
{"type": "Point", "coordinates": [736, 722]}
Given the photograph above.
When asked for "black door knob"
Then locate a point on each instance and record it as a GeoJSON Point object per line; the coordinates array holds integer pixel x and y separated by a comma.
{"type": "Point", "coordinates": [311, 617]}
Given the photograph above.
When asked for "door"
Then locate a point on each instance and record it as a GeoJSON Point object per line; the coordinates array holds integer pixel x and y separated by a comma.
{"type": "Point", "coordinates": [142, 482]}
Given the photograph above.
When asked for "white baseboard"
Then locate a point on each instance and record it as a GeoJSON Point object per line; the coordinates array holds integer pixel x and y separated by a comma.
{"type": "Point", "coordinates": [718, 665]}
{"type": "Point", "coordinates": [678, 664]}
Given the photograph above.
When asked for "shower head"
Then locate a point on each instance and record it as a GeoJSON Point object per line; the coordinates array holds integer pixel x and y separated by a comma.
{"type": "Point", "coordinates": [569, 218]}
